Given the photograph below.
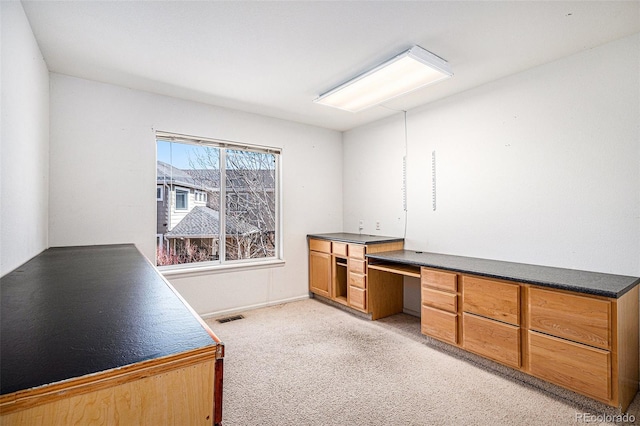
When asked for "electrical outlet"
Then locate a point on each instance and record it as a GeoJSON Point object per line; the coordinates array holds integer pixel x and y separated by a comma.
{"type": "Point", "coordinates": [361, 225]}
{"type": "Point", "coordinates": [377, 225]}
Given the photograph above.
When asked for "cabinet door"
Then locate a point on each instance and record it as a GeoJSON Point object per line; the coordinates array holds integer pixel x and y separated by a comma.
{"type": "Point", "coordinates": [320, 273]}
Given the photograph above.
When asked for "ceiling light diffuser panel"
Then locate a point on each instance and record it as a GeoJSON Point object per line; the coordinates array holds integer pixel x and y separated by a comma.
{"type": "Point", "coordinates": [404, 73]}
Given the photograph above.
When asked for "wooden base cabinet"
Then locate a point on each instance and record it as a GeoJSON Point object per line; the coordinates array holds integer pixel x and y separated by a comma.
{"type": "Point", "coordinates": [440, 318]}
{"type": "Point", "coordinates": [491, 319]}
{"type": "Point", "coordinates": [585, 343]}
{"type": "Point", "coordinates": [338, 271]}
{"type": "Point", "coordinates": [113, 344]}
{"type": "Point", "coordinates": [320, 273]}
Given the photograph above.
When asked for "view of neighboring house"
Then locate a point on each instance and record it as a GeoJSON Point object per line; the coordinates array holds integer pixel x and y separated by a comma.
{"type": "Point", "coordinates": [188, 214]}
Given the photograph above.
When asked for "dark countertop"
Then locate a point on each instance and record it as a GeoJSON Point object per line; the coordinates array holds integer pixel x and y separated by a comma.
{"type": "Point", "coordinates": [600, 284]}
{"type": "Point", "coordinates": [346, 237]}
{"type": "Point", "coordinates": [73, 311]}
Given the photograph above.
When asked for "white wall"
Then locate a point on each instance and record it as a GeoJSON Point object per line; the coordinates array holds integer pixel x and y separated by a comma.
{"type": "Point", "coordinates": [541, 167]}
{"type": "Point", "coordinates": [24, 149]}
{"type": "Point", "coordinates": [103, 175]}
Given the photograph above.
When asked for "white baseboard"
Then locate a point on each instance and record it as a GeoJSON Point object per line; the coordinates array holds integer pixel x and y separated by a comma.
{"type": "Point", "coordinates": [251, 307]}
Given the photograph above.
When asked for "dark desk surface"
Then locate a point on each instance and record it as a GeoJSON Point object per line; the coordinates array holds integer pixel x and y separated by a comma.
{"type": "Point", "coordinates": [74, 311]}
{"type": "Point", "coordinates": [346, 237]}
{"type": "Point", "coordinates": [607, 285]}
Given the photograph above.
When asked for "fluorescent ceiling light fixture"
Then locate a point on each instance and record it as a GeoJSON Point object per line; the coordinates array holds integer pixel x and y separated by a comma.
{"type": "Point", "coordinates": [399, 75]}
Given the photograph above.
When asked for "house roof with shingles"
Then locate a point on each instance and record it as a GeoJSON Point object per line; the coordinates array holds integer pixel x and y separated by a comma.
{"type": "Point", "coordinates": [167, 174]}
{"type": "Point", "coordinates": [209, 179]}
{"type": "Point", "coordinates": [236, 178]}
{"type": "Point", "coordinates": [204, 222]}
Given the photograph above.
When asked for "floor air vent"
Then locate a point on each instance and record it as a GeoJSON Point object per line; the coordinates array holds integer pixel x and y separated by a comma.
{"type": "Point", "coordinates": [229, 319]}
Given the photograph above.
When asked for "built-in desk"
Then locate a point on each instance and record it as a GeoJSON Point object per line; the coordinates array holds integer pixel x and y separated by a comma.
{"type": "Point", "coordinates": [576, 329]}
{"type": "Point", "coordinates": [339, 272]}
{"type": "Point", "coordinates": [95, 335]}
{"type": "Point", "coordinates": [595, 283]}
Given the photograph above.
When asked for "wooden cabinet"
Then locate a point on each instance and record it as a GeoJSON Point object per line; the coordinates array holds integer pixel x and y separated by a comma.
{"type": "Point", "coordinates": [357, 277]}
{"type": "Point", "coordinates": [585, 343]}
{"type": "Point", "coordinates": [116, 344]}
{"type": "Point", "coordinates": [320, 273]}
{"type": "Point", "coordinates": [439, 312]}
{"type": "Point", "coordinates": [491, 319]}
{"type": "Point", "coordinates": [573, 342]}
{"type": "Point", "coordinates": [338, 271]}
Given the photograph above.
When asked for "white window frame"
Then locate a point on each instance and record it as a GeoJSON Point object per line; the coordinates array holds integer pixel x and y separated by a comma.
{"type": "Point", "coordinates": [200, 195]}
{"type": "Point", "coordinates": [177, 189]}
{"type": "Point", "coordinates": [242, 264]}
{"type": "Point", "coordinates": [161, 189]}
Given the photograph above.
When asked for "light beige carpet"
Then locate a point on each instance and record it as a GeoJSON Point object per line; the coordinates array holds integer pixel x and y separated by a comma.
{"type": "Point", "coordinates": [306, 363]}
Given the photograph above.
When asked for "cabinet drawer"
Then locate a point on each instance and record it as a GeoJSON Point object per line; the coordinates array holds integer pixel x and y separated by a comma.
{"type": "Point", "coordinates": [492, 299]}
{"type": "Point", "coordinates": [357, 280]}
{"type": "Point", "coordinates": [358, 266]}
{"type": "Point", "coordinates": [579, 318]}
{"type": "Point", "coordinates": [442, 280]}
{"type": "Point", "coordinates": [493, 339]}
{"type": "Point", "coordinates": [578, 367]}
{"type": "Point", "coordinates": [439, 324]}
{"type": "Point", "coordinates": [357, 298]}
{"type": "Point", "coordinates": [339, 249]}
{"type": "Point", "coordinates": [440, 299]}
{"type": "Point", "coordinates": [356, 251]}
{"type": "Point", "coordinates": [320, 245]}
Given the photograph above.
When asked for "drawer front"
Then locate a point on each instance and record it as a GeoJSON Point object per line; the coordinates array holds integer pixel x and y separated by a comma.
{"type": "Point", "coordinates": [574, 317]}
{"type": "Point", "coordinates": [356, 251]}
{"type": "Point", "coordinates": [492, 299]}
{"type": "Point", "coordinates": [440, 299]}
{"type": "Point", "coordinates": [578, 367]}
{"type": "Point", "coordinates": [358, 266]}
{"type": "Point", "coordinates": [493, 339]}
{"type": "Point", "coordinates": [357, 298]}
{"type": "Point", "coordinates": [357, 280]}
{"type": "Point", "coordinates": [320, 245]}
{"type": "Point", "coordinates": [339, 249]}
{"type": "Point", "coordinates": [442, 280]}
{"type": "Point", "coordinates": [439, 324]}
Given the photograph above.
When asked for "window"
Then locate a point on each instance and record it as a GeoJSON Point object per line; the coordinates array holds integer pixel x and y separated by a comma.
{"type": "Point", "coordinates": [225, 200]}
{"type": "Point", "coordinates": [182, 199]}
{"type": "Point", "coordinates": [201, 196]}
{"type": "Point", "coordinates": [159, 193]}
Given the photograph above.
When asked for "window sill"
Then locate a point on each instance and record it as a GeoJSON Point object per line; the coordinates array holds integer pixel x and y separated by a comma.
{"type": "Point", "coordinates": [214, 269]}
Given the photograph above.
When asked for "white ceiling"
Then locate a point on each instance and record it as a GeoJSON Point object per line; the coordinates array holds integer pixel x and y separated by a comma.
{"type": "Point", "coordinates": [274, 58]}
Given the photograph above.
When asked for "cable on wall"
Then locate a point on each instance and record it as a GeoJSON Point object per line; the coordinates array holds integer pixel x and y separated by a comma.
{"type": "Point", "coordinates": [404, 174]}
{"type": "Point", "coordinates": [404, 168]}
{"type": "Point", "coordinates": [433, 180]}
